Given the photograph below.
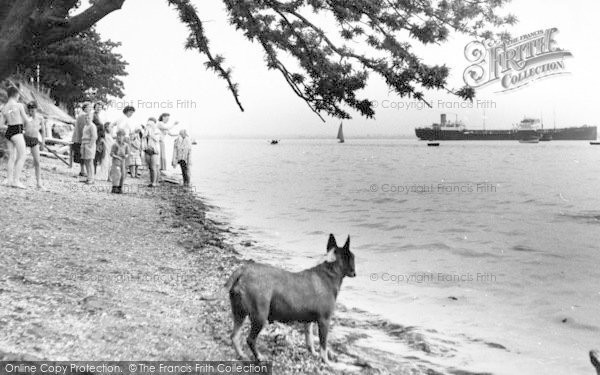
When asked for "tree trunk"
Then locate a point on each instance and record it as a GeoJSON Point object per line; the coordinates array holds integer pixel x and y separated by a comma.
{"type": "Point", "coordinates": [8, 58]}
{"type": "Point", "coordinates": [14, 33]}
{"type": "Point", "coordinates": [35, 24]}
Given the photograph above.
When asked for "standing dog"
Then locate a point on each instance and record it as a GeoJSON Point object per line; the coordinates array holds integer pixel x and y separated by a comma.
{"type": "Point", "coordinates": [267, 293]}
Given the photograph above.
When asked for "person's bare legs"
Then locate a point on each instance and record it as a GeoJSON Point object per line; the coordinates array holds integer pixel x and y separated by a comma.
{"type": "Point", "coordinates": [122, 179]}
{"type": "Point", "coordinates": [83, 170]}
{"type": "Point", "coordinates": [35, 152]}
{"type": "Point", "coordinates": [19, 143]}
{"type": "Point", "coordinates": [151, 171]}
{"type": "Point", "coordinates": [10, 166]}
{"type": "Point", "coordinates": [154, 161]}
{"type": "Point", "coordinates": [156, 174]}
{"type": "Point", "coordinates": [89, 166]}
{"type": "Point", "coordinates": [92, 170]}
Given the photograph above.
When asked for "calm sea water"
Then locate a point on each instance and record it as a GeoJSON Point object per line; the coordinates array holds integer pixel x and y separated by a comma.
{"type": "Point", "coordinates": [473, 242]}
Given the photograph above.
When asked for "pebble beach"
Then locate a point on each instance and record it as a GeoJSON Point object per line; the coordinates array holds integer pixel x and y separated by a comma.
{"type": "Point", "coordinates": [86, 274]}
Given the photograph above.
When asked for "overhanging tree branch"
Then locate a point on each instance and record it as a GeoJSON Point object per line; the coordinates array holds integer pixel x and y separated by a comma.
{"type": "Point", "coordinates": [329, 75]}
{"type": "Point", "coordinates": [197, 39]}
{"type": "Point", "coordinates": [75, 24]}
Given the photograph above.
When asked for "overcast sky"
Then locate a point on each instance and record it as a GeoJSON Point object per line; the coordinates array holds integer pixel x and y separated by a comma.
{"type": "Point", "coordinates": [162, 71]}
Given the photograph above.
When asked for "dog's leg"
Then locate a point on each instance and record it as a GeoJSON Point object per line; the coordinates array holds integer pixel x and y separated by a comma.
{"type": "Point", "coordinates": [257, 326]}
{"type": "Point", "coordinates": [239, 315]}
{"type": "Point", "coordinates": [238, 322]}
{"type": "Point", "coordinates": [323, 332]}
{"type": "Point", "coordinates": [308, 334]}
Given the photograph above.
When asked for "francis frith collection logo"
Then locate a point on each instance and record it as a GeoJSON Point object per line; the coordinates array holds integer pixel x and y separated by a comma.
{"type": "Point", "coordinates": [515, 63]}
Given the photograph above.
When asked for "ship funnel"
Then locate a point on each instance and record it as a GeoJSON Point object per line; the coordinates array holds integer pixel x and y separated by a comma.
{"type": "Point", "coordinates": [443, 119]}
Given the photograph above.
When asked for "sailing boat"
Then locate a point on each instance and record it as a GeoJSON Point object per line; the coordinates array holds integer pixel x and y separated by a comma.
{"type": "Point", "coordinates": [340, 135]}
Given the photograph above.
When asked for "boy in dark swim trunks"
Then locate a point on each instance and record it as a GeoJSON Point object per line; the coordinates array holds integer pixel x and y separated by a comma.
{"type": "Point", "coordinates": [14, 116]}
{"type": "Point", "coordinates": [32, 139]}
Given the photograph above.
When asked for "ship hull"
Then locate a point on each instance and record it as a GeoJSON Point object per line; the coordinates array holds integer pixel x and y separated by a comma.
{"type": "Point", "coordinates": [584, 133]}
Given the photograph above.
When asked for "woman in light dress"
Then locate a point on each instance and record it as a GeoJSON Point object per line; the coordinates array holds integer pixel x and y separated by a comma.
{"type": "Point", "coordinates": [105, 164]}
{"type": "Point", "coordinates": [89, 137]}
{"type": "Point", "coordinates": [151, 150]}
{"type": "Point", "coordinates": [165, 130]}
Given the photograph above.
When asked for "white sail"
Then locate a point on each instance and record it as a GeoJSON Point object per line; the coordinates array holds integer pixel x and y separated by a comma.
{"type": "Point", "coordinates": [340, 135]}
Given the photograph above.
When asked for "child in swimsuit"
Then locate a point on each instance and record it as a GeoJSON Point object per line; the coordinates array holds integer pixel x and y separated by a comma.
{"type": "Point", "coordinates": [119, 154]}
{"type": "Point", "coordinates": [13, 114]}
{"type": "Point", "coordinates": [32, 138]}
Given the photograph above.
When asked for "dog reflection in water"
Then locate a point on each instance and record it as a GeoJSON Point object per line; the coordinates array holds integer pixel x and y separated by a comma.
{"type": "Point", "coordinates": [269, 294]}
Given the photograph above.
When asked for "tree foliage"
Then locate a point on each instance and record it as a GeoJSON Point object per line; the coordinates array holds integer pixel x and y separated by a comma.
{"type": "Point", "coordinates": [327, 67]}
{"type": "Point", "coordinates": [330, 73]}
{"type": "Point", "coordinates": [78, 68]}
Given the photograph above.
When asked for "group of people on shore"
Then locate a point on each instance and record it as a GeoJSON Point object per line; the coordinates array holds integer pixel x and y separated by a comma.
{"type": "Point", "coordinates": [112, 150]}
{"type": "Point", "coordinates": [104, 150]}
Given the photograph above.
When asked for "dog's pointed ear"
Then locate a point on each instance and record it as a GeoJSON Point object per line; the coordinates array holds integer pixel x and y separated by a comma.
{"type": "Point", "coordinates": [331, 244]}
{"type": "Point", "coordinates": [347, 244]}
{"type": "Point", "coordinates": [330, 256]}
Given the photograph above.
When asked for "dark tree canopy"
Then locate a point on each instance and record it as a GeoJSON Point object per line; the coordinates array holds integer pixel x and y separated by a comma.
{"type": "Point", "coordinates": [327, 72]}
{"type": "Point", "coordinates": [79, 68]}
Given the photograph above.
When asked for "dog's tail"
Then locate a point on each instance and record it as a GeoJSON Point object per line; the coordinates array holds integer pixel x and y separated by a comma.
{"type": "Point", "coordinates": [233, 279]}
{"type": "Point", "coordinates": [223, 292]}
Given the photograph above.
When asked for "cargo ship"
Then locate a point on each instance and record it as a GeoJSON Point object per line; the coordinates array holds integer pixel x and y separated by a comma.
{"type": "Point", "coordinates": [456, 131]}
